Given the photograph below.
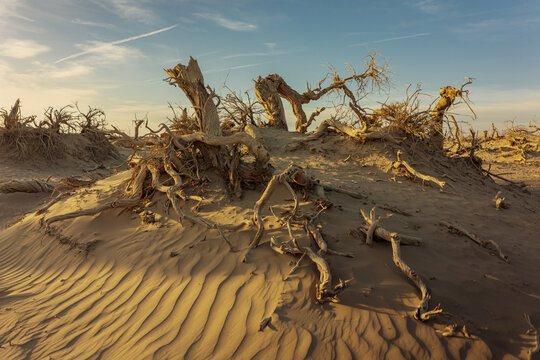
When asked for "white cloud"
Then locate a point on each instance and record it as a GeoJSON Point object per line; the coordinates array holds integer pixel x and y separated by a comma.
{"type": "Point", "coordinates": [103, 48]}
{"type": "Point", "coordinates": [91, 23]}
{"type": "Point", "coordinates": [427, 6]}
{"type": "Point", "coordinates": [21, 49]}
{"type": "Point", "coordinates": [10, 10]}
{"type": "Point", "coordinates": [391, 39]}
{"type": "Point", "coordinates": [227, 23]}
{"type": "Point", "coordinates": [128, 9]}
{"type": "Point", "coordinates": [69, 72]}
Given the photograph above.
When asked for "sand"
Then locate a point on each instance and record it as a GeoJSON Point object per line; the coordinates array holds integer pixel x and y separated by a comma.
{"type": "Point", "coordinates": [111, 286]}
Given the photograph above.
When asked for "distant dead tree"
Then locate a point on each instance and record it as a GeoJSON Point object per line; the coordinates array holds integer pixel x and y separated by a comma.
{"type": "Point", "coordinates": [272, 88]}
{"type": "Point", "coordinates": [447, 99]}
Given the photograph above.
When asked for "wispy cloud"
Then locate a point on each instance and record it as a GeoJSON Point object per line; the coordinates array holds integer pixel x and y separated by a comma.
{"type": "Point", "coordinates": [128, 9]}
{"type": "Point", "coordinates": [92, 23]}
{"type": "Point", "coordinates": [391, 39]}
{"type": "Point", "coordinates": [69, 72]}
{"type": "Point", "coordinates": [21, 49]}
{"type": "Point", "coordinates": [227, 23]}
{"type": "Point", "coordinates": [233, 68]}
{"type": "Point", "coordinates": [100, 47]}
{"type": "Point", "coordinates": [10, 9]}
{"type": "Point", "coordinates": [427, 6]}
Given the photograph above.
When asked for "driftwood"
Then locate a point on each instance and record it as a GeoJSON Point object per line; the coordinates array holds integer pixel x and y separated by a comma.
{"type": "Point", "coordinates": [402, 164]}
{"type": "Point", "coordinates": [484, 243]}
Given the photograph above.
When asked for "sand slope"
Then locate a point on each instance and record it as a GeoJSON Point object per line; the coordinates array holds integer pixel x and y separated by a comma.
{"type": "Point", "coordinates": [112, 287]}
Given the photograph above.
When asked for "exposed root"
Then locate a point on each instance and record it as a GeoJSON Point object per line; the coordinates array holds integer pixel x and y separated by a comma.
{"type": "Point", "coordinates": [534, 332]}
{"type": "Point", "coordinates": [372, 225]}
{"type": "Point", "coordinates": [484, 243]}
{"type": "Point", "coordinates": [499, 201]}
{"type": "Point", "coordinates": [324, 290]}
{"type": "Point", "coordinates": [294, 174]}
{"type": "Point", "coordinates": [455, 331]}
{"type": "Point", "coordinates": [351, 131]}
{"type": "Point", "coordinates": [404, 165]}
{"type": "Point", "coordinates": [422, 312]}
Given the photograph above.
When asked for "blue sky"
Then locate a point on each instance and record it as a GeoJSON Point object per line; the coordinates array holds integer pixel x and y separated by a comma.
{"type": "Point", "coordinates": [110, 53]}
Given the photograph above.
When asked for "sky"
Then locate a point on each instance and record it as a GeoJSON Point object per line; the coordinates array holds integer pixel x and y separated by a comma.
{"type": "Point", "coordinates": [111, 53]}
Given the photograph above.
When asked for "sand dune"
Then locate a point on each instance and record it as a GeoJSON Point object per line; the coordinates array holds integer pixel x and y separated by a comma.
{"type": "Point", "coordinates": [112, 287]}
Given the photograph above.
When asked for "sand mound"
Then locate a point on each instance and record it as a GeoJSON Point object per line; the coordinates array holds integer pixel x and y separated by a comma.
{"type": "Point", "coordinates": [137, 284]}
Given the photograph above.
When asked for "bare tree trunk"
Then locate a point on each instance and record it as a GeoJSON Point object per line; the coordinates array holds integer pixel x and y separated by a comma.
{"type": "Point", "coordinates": [11, 121]}
{"type": "Point", "coordinates": [190, 79]}
{"type": "Point", "coordinates": [448, 97]}
{"type": "Point", "coordinates": [267, 94]}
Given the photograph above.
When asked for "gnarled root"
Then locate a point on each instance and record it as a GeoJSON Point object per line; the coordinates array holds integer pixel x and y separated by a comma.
{"type": "Point", "coordinates": [324, 290]}
{"type": "Point", "coordinates": [499, 201]}
{"type": "Point", "coordinates": [484, 243]}
{"type": "Point", "coordinates": [534, 332]}
{"type": "Point", "coordinates": [422, 313]}
{"type": "Point", "coordinates": [404, 165]}
{"type": "Point", "coordinates": [371, 227]}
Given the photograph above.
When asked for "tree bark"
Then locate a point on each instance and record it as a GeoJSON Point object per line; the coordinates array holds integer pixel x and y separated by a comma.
{"type": "Point", "coordinates": [190, 79]}
{"type": "Point", "coordinates": [267, 94]}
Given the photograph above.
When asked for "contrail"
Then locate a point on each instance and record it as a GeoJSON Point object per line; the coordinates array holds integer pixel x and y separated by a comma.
{"type": "Point", "coordinates": [392, 39]}
{"type": "Point", "coordinates": [102, 46]}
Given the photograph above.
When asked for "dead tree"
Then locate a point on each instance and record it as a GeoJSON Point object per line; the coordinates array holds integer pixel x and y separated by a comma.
{"type": "Point", "coordinates": [267, 94]}
{"type": "Point", "coordinates": [190, 79]}
{"type": "Point", "coordinates": [238, 111]}
{"type": "Point", "coordinates": [274, 86]}
{"type": "Point", "coordinates": [447, 99]}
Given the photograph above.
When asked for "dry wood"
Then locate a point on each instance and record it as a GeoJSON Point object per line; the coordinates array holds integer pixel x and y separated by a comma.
{"type": "Point", "coordinates": [324, 291]}
{"type": "Point", "coordinates": [422, 313]}
{"type": "Point", "coordinates": [354, 132]}
{"type": "Point", "coordinates": [257, 149]}
{"type": "Point", "coordinates": [499, 201]}
{"type": "Point", "coordinates": [285, 176]}
{"type": "Point", "coordinates": [454, 330]}
{"type": "Point", "coordinates": [532, 331]}
{"type": "Point", "coordinates": [484, 243]}
{"type": "Point", "coordinates": [448, 96]}
{"type": "Point", "coordinates": [191, 81]}
{"type": "Point", "coordinates": [267, 94]}
{"type": "Point", "coordinates": [404, 165]}
{"type": "Point", "coordinates": [382, 233]}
